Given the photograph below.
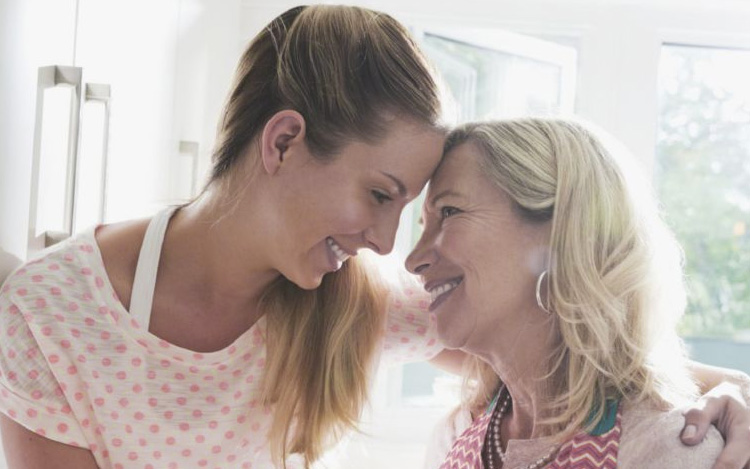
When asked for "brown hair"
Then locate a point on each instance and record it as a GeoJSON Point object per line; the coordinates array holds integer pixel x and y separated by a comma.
{"type": "Point", "coordinates": [344, 69]}
{"type": "Point", "coordinates": [340, 67]}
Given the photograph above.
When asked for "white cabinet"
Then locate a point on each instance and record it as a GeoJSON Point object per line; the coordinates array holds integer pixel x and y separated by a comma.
{"type": "Point", "coordinates": [167, 65]}
{"type": "Point", "coordinates": [132, 47]}
{"type": "Point", "coordinates": [32, 33]}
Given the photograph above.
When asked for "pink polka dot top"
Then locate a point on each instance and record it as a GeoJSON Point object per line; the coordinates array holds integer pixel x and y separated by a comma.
{"type": "Point", "coordinates": [78, 368]}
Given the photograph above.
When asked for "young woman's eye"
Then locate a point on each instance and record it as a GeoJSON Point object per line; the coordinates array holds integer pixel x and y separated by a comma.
{"type": "Point", "coordinates": [381, 197]}
{"type": "Point", "coordinates": [448, 211]}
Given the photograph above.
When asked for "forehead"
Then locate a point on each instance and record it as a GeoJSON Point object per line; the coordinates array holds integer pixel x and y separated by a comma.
{"type": "Point", "coordinates": [409, 151]}
{"type": "Point", "coordinates": [459, 167]}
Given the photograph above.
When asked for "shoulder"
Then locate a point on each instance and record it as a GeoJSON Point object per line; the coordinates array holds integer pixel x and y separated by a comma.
{"type": "Point", "coordinates": [8, 263]}
{"type": "Point", "coordinates": [651, 438]}
{"type": "Point", "coordinates": [71, 270]}
{"type": "Point", "coordinates": [40, 289]}
{"type": "Point", "coordinates": [120, 246]}
{"type": "Point", "coordinates": [47, 272]}
{"type": "Point", "coordinates": [64, 260]}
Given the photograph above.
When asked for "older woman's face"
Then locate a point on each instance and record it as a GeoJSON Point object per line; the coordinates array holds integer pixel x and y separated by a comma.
{"type": "Point", "coordinates": [478, 257]}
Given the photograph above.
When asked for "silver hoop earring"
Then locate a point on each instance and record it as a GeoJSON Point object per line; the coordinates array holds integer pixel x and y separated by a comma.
{"type": "Point", "coordinates": [539, 293]}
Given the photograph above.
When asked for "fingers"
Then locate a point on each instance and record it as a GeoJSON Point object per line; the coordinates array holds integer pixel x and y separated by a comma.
{"type": "Point", "coordinates": [736, 455]}
{"type": "Point", "coordinates": [725, 407]}
{"type": "Point", "coordinates": [698, 419]}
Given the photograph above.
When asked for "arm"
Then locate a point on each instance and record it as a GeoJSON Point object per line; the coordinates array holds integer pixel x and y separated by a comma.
{"type": "Point", "coordinates": [725, 404]}
{"type": "Point", "coordinates": [31, 396]}
{"type": "Point", "coordinates": [25, 449]}
{"type": "Point", "coordinates": [708, 377]}
{"type": "Point", "coordinates": [411, 332]}
{"type": "Point", "coordinates": [451, 361]}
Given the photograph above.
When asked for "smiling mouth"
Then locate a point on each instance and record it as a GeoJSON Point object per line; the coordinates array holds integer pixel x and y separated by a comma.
{"type": "Point", "coordinates": [339, 253]}
{"type": "Point", "coordinates": [439, 292]}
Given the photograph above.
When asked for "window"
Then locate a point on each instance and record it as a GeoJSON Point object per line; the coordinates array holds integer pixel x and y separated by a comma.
{"type": "Point", "coordinates": [496, 74]}
{"type": "Point", "coordinates": [703, 176]}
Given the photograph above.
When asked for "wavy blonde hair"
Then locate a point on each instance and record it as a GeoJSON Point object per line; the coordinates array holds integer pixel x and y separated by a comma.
{"type": "Point", "coordinates": [615, 270]}
{"type": "Point", "coordinates": [346, 70]}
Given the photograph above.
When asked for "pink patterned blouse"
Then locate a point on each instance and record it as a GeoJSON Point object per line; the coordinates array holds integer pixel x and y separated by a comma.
{"type": "Point", "coordinates": [583, 451]}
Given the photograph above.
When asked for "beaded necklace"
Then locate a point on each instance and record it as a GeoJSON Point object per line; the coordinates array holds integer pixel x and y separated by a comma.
{"type": "Point", "coordinates": [492, 450]}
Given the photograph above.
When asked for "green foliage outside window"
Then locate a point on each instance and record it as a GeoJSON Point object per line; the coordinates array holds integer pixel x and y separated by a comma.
{"type": "Point", "coordinates": [703, 176]}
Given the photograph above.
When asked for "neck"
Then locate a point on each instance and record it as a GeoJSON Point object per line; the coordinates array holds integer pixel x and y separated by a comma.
{"type": "Point", "coordinates": [218, 255]}
{"type": "Point", "coordinates": [519, 355]}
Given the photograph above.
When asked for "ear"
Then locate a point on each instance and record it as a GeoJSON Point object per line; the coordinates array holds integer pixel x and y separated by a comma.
{"type": "Point", "coordinates": [284, 130]}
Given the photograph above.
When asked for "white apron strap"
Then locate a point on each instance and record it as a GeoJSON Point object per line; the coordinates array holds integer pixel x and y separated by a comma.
{"type": "Point", "coordinates": [142, 296]}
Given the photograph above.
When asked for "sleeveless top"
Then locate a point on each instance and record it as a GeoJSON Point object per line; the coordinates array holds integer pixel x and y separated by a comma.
{"type": "Point", "coordinates": [595, 450]}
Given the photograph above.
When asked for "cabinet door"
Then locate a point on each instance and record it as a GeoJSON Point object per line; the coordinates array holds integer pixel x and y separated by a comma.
{"type": "Point", "coordinates": [208, 49]}
{"type": "Point", "coordinates": [169, 64]}
{"type": "Point", "coordinates": [132, 47]}
{"type": "Point", "coordinates": [33, 33]}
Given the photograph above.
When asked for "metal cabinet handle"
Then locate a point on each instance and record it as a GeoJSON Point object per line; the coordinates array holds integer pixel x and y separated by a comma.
{"type": "Point", "coordinates": [98, 92]}
{"type": "Point", "coordinates": [49, 77]}
{"type": "Point", "coordinates": [192, 150]}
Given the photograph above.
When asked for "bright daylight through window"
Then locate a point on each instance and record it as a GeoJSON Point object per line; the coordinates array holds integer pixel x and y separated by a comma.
{"type": "Point", "coordinates": [703, 176]}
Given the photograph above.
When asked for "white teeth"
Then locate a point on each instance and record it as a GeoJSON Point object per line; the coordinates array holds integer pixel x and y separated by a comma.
{"type": "Point", "coordinates": [341, 256]}
{"type": "Point", "coordinates": [440, 289]}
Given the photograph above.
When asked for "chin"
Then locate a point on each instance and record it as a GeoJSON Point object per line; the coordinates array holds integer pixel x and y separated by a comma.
{"type": "Point", "coordinates": [309, 283]}
{"type": "Point", "coordinates": [450, 336]}
{"type": "Point", "coordinates": [305, 280]}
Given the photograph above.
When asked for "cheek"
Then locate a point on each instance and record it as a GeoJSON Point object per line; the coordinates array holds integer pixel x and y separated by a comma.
{"type": "Point", "coordinates": [469, 246]}
{"type": "Point", "coordinates": [493, 272]}
{"type": "Point", "coordinates": [349, 216]}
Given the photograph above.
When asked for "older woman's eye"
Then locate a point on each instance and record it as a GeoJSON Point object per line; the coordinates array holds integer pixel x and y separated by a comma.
{"type": "Point", "coordinates": [448, 211]}
{"type": "Point", "coordinates": [381, 197]}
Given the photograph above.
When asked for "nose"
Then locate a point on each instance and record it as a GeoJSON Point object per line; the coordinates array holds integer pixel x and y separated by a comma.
{"type": "Point", "coordinates": [419, 259]}
{"type": "Point", "coordinates": [381, 236]}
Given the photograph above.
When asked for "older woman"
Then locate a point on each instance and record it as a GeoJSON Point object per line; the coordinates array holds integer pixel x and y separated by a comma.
{"type": "Point", "coordinates": [547, 261]}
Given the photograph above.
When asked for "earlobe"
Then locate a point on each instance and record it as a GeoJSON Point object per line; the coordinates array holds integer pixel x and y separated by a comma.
{"type": "Point", "coordinates": [283, 131]}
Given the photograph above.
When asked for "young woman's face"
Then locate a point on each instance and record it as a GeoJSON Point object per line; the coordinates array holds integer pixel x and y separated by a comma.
{"type": "Point", "coordinates": [478, 257]}
{"type": "Point", "coordinates": [333, 209]}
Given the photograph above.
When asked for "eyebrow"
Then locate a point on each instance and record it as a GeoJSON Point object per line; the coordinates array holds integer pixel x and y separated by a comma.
{"type": "Point", "coordinates": [434, 201]}
{"type": "Point", "coordinates": [445, 193]}
{"type": "Point", "coordinates": [400, 185]}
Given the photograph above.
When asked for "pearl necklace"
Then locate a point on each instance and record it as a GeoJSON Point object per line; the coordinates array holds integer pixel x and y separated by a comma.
{"type": "Point", "coordinates": [493, 448]}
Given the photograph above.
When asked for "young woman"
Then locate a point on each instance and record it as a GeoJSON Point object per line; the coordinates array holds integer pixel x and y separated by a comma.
{"type": "Point", "coordinates": [239, 328]}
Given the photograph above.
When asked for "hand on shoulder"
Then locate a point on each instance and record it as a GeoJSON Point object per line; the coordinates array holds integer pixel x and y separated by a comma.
{"type": "Point", "coordinates": [651, 439]}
